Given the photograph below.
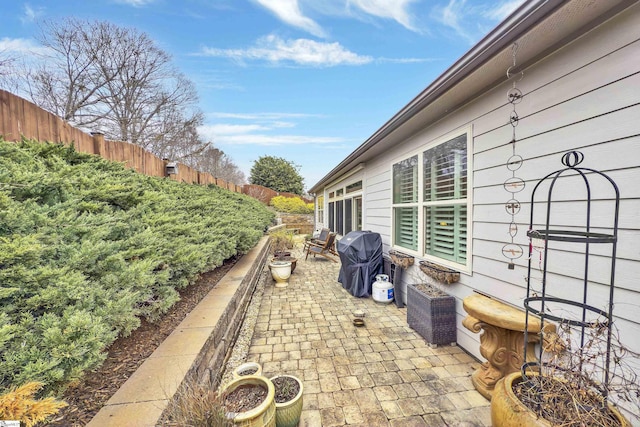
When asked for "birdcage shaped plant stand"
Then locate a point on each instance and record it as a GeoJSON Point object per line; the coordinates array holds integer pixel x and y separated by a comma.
{"type": "Point", "coordinates": [573, 220]}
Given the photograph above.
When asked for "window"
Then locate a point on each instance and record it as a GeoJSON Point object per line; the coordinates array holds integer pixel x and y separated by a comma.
{"type": "Point", "coordinates": [405, 202]}
{"type": "Point", "coordinates": [430, 203]}
{"type": "Point", "coordinates": [320, 204]}
{"type": "Point", "coordinates": [339, 217]}
{"type": "Point", "coordinates": [445, 200]}
{"type": "Point", "coordinates": [357, 213]}
{"type": "Point", "coordinates": [352, 188]}
{"type": "Point", "coordinates": [331, 216]}
{"type": "Point", "coordinates": [348, 215]}
{"type": "Point", "coordinates": [345, 208]}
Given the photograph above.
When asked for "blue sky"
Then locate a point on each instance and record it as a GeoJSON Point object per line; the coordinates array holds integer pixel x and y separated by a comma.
{"type": "Point", "coordinates": [306, 80]}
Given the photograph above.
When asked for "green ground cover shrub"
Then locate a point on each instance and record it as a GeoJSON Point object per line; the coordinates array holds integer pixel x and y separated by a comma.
{"type": "Point", "coordinates": [88, 247]}
{"type": "Point", "coordinates": [293, 205]}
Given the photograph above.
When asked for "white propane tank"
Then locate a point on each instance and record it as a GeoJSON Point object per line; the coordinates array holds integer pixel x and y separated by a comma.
{"type": "Point", "coordinates": [382, 289]}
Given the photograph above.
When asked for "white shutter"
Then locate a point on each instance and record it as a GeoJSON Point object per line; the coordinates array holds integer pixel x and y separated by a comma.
{"type": "Point", "coordinates": [445, 180]}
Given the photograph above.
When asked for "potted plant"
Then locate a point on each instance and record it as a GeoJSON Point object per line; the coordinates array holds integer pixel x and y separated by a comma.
{"type": "Point", "coordinates": [288, 398]}
{"type": "Point", "coordinates": [566, 389]}
{"type": "Point", "coordinates": [579, 369]}
{"type": "Point", "coordinates": [282, 242]}
{"type": "Point", "coordinates": [280, 271]}
{"type": "Point", "coordinates": [248, 368]}
{"type": "Point", "coordinates": [432, 313]}
{"type": "Point", "coordinates": [249, 401]}
{"type": "Point", "coordinates": [508, 409]}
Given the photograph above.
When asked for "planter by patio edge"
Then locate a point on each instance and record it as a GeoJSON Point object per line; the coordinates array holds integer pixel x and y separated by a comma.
{"type": "Point", "coordinates": [243, 369]}
{"type": "Point", "coordinates": [508, 411]}
{"type": "Point", "coordinates": [288, 413]}
{"type": "Point", "coordinates": [432, 317]}
{"type": "Point", "coordinates": [280, 271]}
{"type": "Point", "coordinates": [264, 415]}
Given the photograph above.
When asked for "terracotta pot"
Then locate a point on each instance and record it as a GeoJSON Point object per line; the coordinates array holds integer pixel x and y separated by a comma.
{"type": "Point", "coordinates": [508, 411]}
{"type": "Point", "coordinates": [288, 413]}
{"type": "Point", "coordinates": [264, 415]}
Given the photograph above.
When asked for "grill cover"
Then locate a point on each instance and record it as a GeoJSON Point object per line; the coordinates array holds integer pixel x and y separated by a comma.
{"type": "Point", "coordinates": [361, 256]}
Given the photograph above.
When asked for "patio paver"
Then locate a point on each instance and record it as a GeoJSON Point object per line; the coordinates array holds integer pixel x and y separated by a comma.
{"type": "Point", "coordinates": [382, 374]}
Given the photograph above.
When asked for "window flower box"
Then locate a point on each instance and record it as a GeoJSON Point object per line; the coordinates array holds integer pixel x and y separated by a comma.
{"type": "Point", "coordinates": [400, 259]}
{"type": "Point", "coordinates": [439, 272]}
{"type": "Point", "coordinates": [432, 314]}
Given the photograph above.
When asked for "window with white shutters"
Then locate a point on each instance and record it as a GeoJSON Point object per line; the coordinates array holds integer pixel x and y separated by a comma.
{"type": "Point", "coordinates": [430, 202]}
{"type": "Point", "coordinates": [405, 202]}
{"type": "Point", "coordinates": [445, 200]}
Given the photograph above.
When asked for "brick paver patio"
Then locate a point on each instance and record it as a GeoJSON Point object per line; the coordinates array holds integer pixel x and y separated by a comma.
{"type": "Point", "coordinates": [382, 374]}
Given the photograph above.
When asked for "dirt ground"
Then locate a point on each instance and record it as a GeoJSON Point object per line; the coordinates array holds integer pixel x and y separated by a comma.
{"type": "Point", "coordinates": [126, 354]}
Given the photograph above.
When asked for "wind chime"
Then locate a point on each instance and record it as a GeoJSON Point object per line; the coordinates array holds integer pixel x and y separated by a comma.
{"type": "Point", "coordinates": [514, 184]}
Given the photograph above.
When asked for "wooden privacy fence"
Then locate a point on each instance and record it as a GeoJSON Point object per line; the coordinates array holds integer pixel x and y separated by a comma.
{"type": "Point", "coordinates": [19, 117]}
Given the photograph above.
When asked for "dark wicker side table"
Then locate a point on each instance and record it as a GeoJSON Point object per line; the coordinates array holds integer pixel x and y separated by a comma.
{"type": "Point", "coordinates": [432, 316]}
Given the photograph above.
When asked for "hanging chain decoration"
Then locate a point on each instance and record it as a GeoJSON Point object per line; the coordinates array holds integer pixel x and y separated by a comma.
{"type": "Point", "coordinates": [514, 184]}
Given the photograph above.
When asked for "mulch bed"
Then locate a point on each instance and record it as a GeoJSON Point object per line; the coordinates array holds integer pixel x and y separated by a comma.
{"type": "Point", "coordinates": [126, 354]}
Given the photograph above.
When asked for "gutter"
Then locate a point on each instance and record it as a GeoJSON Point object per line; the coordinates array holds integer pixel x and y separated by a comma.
{"type": "Point", "coordinates": [515, 25]}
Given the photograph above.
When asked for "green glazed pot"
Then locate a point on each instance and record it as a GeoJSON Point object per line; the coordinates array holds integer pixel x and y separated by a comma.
{"type": "Point", "coordinates": [288, 413]}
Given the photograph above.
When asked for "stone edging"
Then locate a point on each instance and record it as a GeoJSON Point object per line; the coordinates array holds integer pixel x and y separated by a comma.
{"type": "Point", "coordinates": [196, 348]}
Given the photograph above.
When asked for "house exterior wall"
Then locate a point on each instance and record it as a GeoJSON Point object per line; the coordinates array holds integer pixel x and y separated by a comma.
{"type": "Point", "coordinates": [584, 96]}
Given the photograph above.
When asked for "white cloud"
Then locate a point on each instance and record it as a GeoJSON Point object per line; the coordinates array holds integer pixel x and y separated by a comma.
{"type": "Point", "coordinates": [261, 116]}
{"type": "Point", "coordinates": [289, 12]}
{"type": "Point", "coordinates": [275, 140]}
{"type": "Point", "coordinates": [396, 10]}
{"type": "Point", "coordinates": [406, 60]}
{"type": "Point", "coordinates": [282, 125]}
{"type": "Point", "coordinates": [502, 10]}
{"type": "Point", "coordinates": [452, 16]}
{"type": "Point", "coordinates": [31, 14]}
{"type": "Point", "coordinates": [22, 47]}
{"type": "Point", "coordinates": [229, 129]}
{"type": "Point", "coordinates": [135, 3]}
{"type": "Point", "coordinates": [470, 22]}
{"type": "Point", "coordinates": [262, 133]}
{"type": "Point", "coordinates": [307, 52]}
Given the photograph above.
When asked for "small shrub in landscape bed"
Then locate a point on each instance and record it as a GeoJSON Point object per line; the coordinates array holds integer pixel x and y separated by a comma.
{"type": "Point", "coordinates": [19, 404]}
{"type": "Point", "coordinates": [293, 205]}
{"type": "Point", "coordinates": [88, 247]}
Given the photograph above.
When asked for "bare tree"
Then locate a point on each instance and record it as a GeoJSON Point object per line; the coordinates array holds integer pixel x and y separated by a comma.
{"type": "Point", "coordinates": [69, 80]}
{"type": "Point", "coordinates": [7, 63]}
{"type": "Point", "coordinates": [174, 135]}
{"type": "Point", "coordinates": [218, 164]}
{"type": "Point", "coordinates": [98, 75]}
{"type": "Point", "coordinates": [149, 90]}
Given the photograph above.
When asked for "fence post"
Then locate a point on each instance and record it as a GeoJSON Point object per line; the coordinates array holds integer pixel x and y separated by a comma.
{"type": "Point", "coordinates": [98, 143]}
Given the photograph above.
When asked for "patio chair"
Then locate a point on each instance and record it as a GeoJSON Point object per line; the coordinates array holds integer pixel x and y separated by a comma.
{"type": "Point", "coordinates": [325, 250]}
{"type": "Point", "coordinates": [320, 240]}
